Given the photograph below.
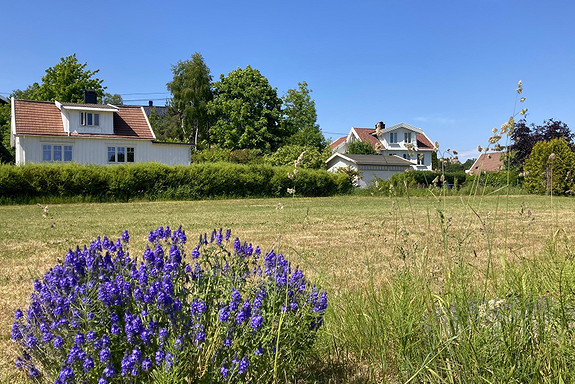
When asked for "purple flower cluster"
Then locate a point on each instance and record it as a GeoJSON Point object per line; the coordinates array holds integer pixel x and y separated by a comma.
{"type": "Point", "coordinates": [103, 314]}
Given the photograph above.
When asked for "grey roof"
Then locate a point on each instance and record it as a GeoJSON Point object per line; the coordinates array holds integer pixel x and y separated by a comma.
{"type": "Point", "coordinates": [160, 110]}
{"type": "Point", "coordinates": [3, 100]}
{"type": "Point", "coordinates": [379, 160]}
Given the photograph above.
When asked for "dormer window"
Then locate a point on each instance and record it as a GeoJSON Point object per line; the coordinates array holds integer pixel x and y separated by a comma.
{"type": "Point", "coordinates": [407, 137]}
{"type": "Point", "coordinates": [393, 137]}
{"type": "Point", "coordinates": [89, 119]}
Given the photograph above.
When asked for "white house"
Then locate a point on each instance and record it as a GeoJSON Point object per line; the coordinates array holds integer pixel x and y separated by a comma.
{"type": "Point", "coordinates": [370, 166]}
{"type": "Point", "coordinates": [399, 147]}
{"type": "Point", "coordinates": [87, 133]}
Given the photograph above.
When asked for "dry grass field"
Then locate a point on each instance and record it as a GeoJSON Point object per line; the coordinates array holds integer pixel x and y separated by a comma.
{"type": "Point", "coordinates": [343, 242]}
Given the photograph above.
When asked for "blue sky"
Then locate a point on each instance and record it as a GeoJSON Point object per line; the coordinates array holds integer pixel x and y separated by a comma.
{"type": "Point", "coordinates": [448, 67]}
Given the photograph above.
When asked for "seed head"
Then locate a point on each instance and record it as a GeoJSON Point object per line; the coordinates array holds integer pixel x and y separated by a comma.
{"type": "Point", "coordinates": [552, 157]}
{"type": "Point", "coordinates": [519, 87]}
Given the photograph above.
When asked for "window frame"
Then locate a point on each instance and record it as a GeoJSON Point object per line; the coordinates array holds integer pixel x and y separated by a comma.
{"type": "Point", "coordinates": [115, 153]}
{"type": "Point", "coordinates": [393, 137]}
{"type": "Point", "coordinates": [89, 119]}
{"type": "Point", "coordinates": [407, 135]}
{"type": "Point", "coordinates": [57, 153]}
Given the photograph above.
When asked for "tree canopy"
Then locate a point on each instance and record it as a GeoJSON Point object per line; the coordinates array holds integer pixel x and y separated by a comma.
{"type": "Point", "coordinates": [246, 111]}
{"type": "Point", "coordinates": [360, 147]}
{"type": "Point", "coordinates": [549, 167]}
{"type": "Point", "coordinates": [191, 90]}
{"type": "Point", "coordinates": [300, 118]}
{"type": "Point", "coordinates": [525, 137]}
{"type": "Point", "coordinates": [66, 81]}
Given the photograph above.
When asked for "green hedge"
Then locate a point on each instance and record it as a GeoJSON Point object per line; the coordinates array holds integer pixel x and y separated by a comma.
{"type": "Point", "coordinates": [425, 178]}
{"type": "Point", "coordinates": [157, 181]}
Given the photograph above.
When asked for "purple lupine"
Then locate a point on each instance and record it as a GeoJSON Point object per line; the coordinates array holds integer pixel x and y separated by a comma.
{"type": "Point", "coordinates": [244, 364]}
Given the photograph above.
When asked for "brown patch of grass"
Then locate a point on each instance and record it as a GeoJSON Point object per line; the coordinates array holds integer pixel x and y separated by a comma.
{"type": "Point", "coordinates": [342, 241]}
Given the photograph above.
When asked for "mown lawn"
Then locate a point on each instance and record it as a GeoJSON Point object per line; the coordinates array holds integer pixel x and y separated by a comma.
{"type": "Point", "coordinates": [349, 244]}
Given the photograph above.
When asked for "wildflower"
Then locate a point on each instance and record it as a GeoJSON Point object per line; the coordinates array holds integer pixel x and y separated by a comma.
{"type": "Point", "coordinates": [244, 364]}
{"type": "Point", "coordinates": [58, 342]}
{"type": "Point", "coordinates": [256, 322]}
{"type": "Point", "coordinates": [18, 315]}
{"type": "Point", "coordinates": [88, 364]}
{"type": "Point", "coordinates": [291, 191]}
{"type": "Point", "coordinates": [494, 139]}
{"type": "Point", "coordinates": [160, 357]}
{"type": "Point", "coordinates": [104, 355]}
{"type": "Point", "coordinates": [552, 157]}
{"type": "Point", "coordinates": [225, 371]}
{"type": "Point", "coordinates": [146, 364]}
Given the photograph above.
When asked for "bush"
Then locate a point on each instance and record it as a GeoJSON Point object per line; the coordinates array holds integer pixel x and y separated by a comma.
{"type": "Point", "coordinates": [288, 154]}
{"type": "Point", "coordinates": [549, 167]}
{"type": "Point", "coordinates": [238, 156]}
{"type": "Point", "coordinates": [151, 181]}
{"type": "Point", "coordinates": [212, 315]}
{"type": "Point", "coordinates": [360, 148]}
{"type": "Point", "coordinates": [495, 179]}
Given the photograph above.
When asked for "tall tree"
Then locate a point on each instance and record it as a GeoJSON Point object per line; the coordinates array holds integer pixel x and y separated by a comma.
{"type": "Point", "coordinates": [523, 142]}
{"type": "Point", "coordinates": [247, 111]}
{"type": "Point", "coordinates": [525, 137]}
{"type": "Point", "coordinates": [114, 99]}
{"type": "Point", "coordinates": [549, 167]}
{"type": "Point", "coordinates": [66, 81]}
{"type": "Point", "coordinates": [191, 90]}
{"type": "Point", "coordinates": [300, 118]}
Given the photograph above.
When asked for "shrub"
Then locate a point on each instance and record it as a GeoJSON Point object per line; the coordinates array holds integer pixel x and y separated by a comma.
{"type": "Point", "coordinates": [238, 156]}
{"type": "Point", "coordinates": [360, 148]}
{"type": "Point", "coordinates": [288, 154]}
{"type": "Point", "coordinates": [212, 315]}
{"type": "Point", "coordinates": [549, 167]}
{"type": "Point", "coordinates": [31, 183]}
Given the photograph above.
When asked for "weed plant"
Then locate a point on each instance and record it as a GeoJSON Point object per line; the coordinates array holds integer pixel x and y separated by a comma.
{"type": "Point", "coordinates": [506, 320]}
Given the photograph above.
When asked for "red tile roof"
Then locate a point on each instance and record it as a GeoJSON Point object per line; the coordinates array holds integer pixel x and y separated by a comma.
{"type": "Point", "coordinates": [423, 142]}
{"type": "Point", "coordinates": [44, 118]}
{"type": "Point", "coordinates": [38, 118]}
{"type": "Point", "coordinates": [365, 134]}
{"type": "Point", "coordinates": [130, 121]}
{"type": "Point", "coordinates": [487, 162]}
{"type": "Point", "coordinates": [338, 142]}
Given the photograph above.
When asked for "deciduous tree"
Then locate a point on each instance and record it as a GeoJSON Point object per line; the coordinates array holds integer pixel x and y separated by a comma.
{"type": "Point", "coordinates": [247, 111]}
{"type": "Point", "coordinates": [66, 81]}
{"type": "Point", "coordinates": [525, 137]}
{"type": "Point", "coordinates": [549, 167]}
{"type": "Point", "coordinates": [191, 90]}
{"type": "Point", "coordinates": [300, 118]}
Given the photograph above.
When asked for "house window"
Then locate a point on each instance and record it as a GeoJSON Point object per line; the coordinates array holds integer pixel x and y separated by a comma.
{"type": "Point", "coordinates": [89, 119]}
{"type": "Point", "coordinates": [407, 137]}
{"type": "Point", "coordinates": [420, 159]}
{"type": "Point", "coordinates": [406, 156]}
{"type": "Point", "coordinates": [56, 152]}
{"type": "Point", "coordinates": [120, 154]}
{"type": "Point", "coordinates": [130, 153]}
{"type": "Point", "coordinates": [67, 153]}
{"type": "Point", "coordinates": [393, 137]}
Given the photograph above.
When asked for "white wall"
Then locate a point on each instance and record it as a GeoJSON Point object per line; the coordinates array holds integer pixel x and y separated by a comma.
{"type": "Point", "coordinates": [91, 151]}
{"type": "Point", "coordinates": [368, 172]}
